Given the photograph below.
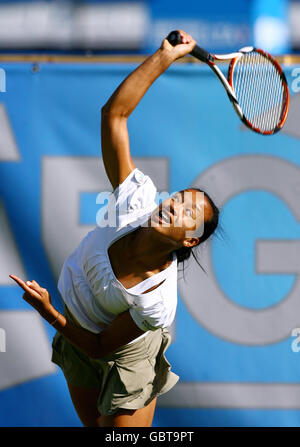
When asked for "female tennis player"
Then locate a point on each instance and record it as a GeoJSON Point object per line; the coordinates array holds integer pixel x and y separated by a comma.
{"type": "Point", "coordinates": [119, 286]}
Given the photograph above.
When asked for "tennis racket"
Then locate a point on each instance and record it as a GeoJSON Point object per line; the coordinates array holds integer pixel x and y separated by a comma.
{"type": "Point", "coordinates": [255, 84]}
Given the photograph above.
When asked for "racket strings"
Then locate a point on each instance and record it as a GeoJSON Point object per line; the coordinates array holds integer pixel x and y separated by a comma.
{"type": "Point", "coordinates": [259, 90]}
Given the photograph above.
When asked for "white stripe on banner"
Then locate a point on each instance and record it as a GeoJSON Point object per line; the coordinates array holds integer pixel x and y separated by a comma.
{"type": "Point", "coordinates": [8, 146]}
{"type": "Point", "coordinates": [25, 353]}
{"type": "Point", "coordinates": [232, 395]}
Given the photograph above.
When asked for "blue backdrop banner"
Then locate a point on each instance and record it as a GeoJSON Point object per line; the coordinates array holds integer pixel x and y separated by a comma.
{"type": "Point", "coordinates": [235, 344]}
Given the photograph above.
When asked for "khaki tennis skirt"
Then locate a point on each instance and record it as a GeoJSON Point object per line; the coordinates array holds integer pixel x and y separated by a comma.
{"type": "Point", "coordinates": [131, 377]}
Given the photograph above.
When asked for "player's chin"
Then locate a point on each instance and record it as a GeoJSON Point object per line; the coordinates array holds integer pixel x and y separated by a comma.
{"type": "Point", "coordinates": [175, 233]}
{"type": "Point", "coordinates": [160, 226]}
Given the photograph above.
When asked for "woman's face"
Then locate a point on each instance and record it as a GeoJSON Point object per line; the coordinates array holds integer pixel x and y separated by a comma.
{"type": "Point", "coordinates": [181, 217]}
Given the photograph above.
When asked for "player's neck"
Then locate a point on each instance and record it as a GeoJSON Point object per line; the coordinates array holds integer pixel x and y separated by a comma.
{"type": "Point", "coordinates": [151, 249]}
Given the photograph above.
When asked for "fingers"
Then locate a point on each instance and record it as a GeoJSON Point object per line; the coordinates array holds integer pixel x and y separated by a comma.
{"type": "Point", "coordinates": [30, 287]}
{"type": "Point", "coordinates": [185, 38]}
{"type": "Point", "coordinates": [186, 46]}
{"type": "Point", "coordinates": [20, 282]}
{"type": "Point", "coordinates": [34, 285]}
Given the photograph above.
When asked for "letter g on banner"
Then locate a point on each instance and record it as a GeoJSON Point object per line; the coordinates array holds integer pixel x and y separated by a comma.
{"type": "Point", "coordinates": [212, 308]}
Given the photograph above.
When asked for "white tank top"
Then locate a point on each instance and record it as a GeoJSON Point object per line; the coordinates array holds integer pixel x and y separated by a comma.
{"type": "Point", "coordinates": [87, 283]}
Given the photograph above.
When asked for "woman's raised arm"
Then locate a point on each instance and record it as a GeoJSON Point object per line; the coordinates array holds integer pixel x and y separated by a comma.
{"type": "Point", "coordinates": [114, 134]}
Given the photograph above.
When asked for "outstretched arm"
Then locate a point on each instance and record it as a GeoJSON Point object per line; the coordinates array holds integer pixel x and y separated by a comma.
{"type": "Point", "coordinates": [114, 134]}
{"type": "Point", "coordinates": [121, 331]}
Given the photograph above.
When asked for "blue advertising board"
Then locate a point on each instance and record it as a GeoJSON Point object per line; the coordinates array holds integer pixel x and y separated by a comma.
{"type": "Point", "coordinates": [235, 334]}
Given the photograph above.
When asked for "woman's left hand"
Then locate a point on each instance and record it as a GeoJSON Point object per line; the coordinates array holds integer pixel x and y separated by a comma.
{"type": "Point", "coordinates": [36, 296]}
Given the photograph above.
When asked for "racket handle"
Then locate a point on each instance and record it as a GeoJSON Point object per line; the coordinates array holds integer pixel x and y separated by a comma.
{"type": "Point", "coordinates": [198, 52]}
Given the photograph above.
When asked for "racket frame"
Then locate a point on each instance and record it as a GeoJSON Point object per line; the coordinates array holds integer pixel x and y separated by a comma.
{"type": "Point", "coordinates": [211, 59]}
{"type": "Point", "coordinates": [286, 98]}
{"type": "Point", "coordinates": [228, 87]}
{"type": "Point", "coordinates": [228, 84]}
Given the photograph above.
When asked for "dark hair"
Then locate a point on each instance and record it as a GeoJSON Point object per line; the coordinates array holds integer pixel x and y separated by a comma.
{"type": "Point", "coordinates": [184, 253]}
